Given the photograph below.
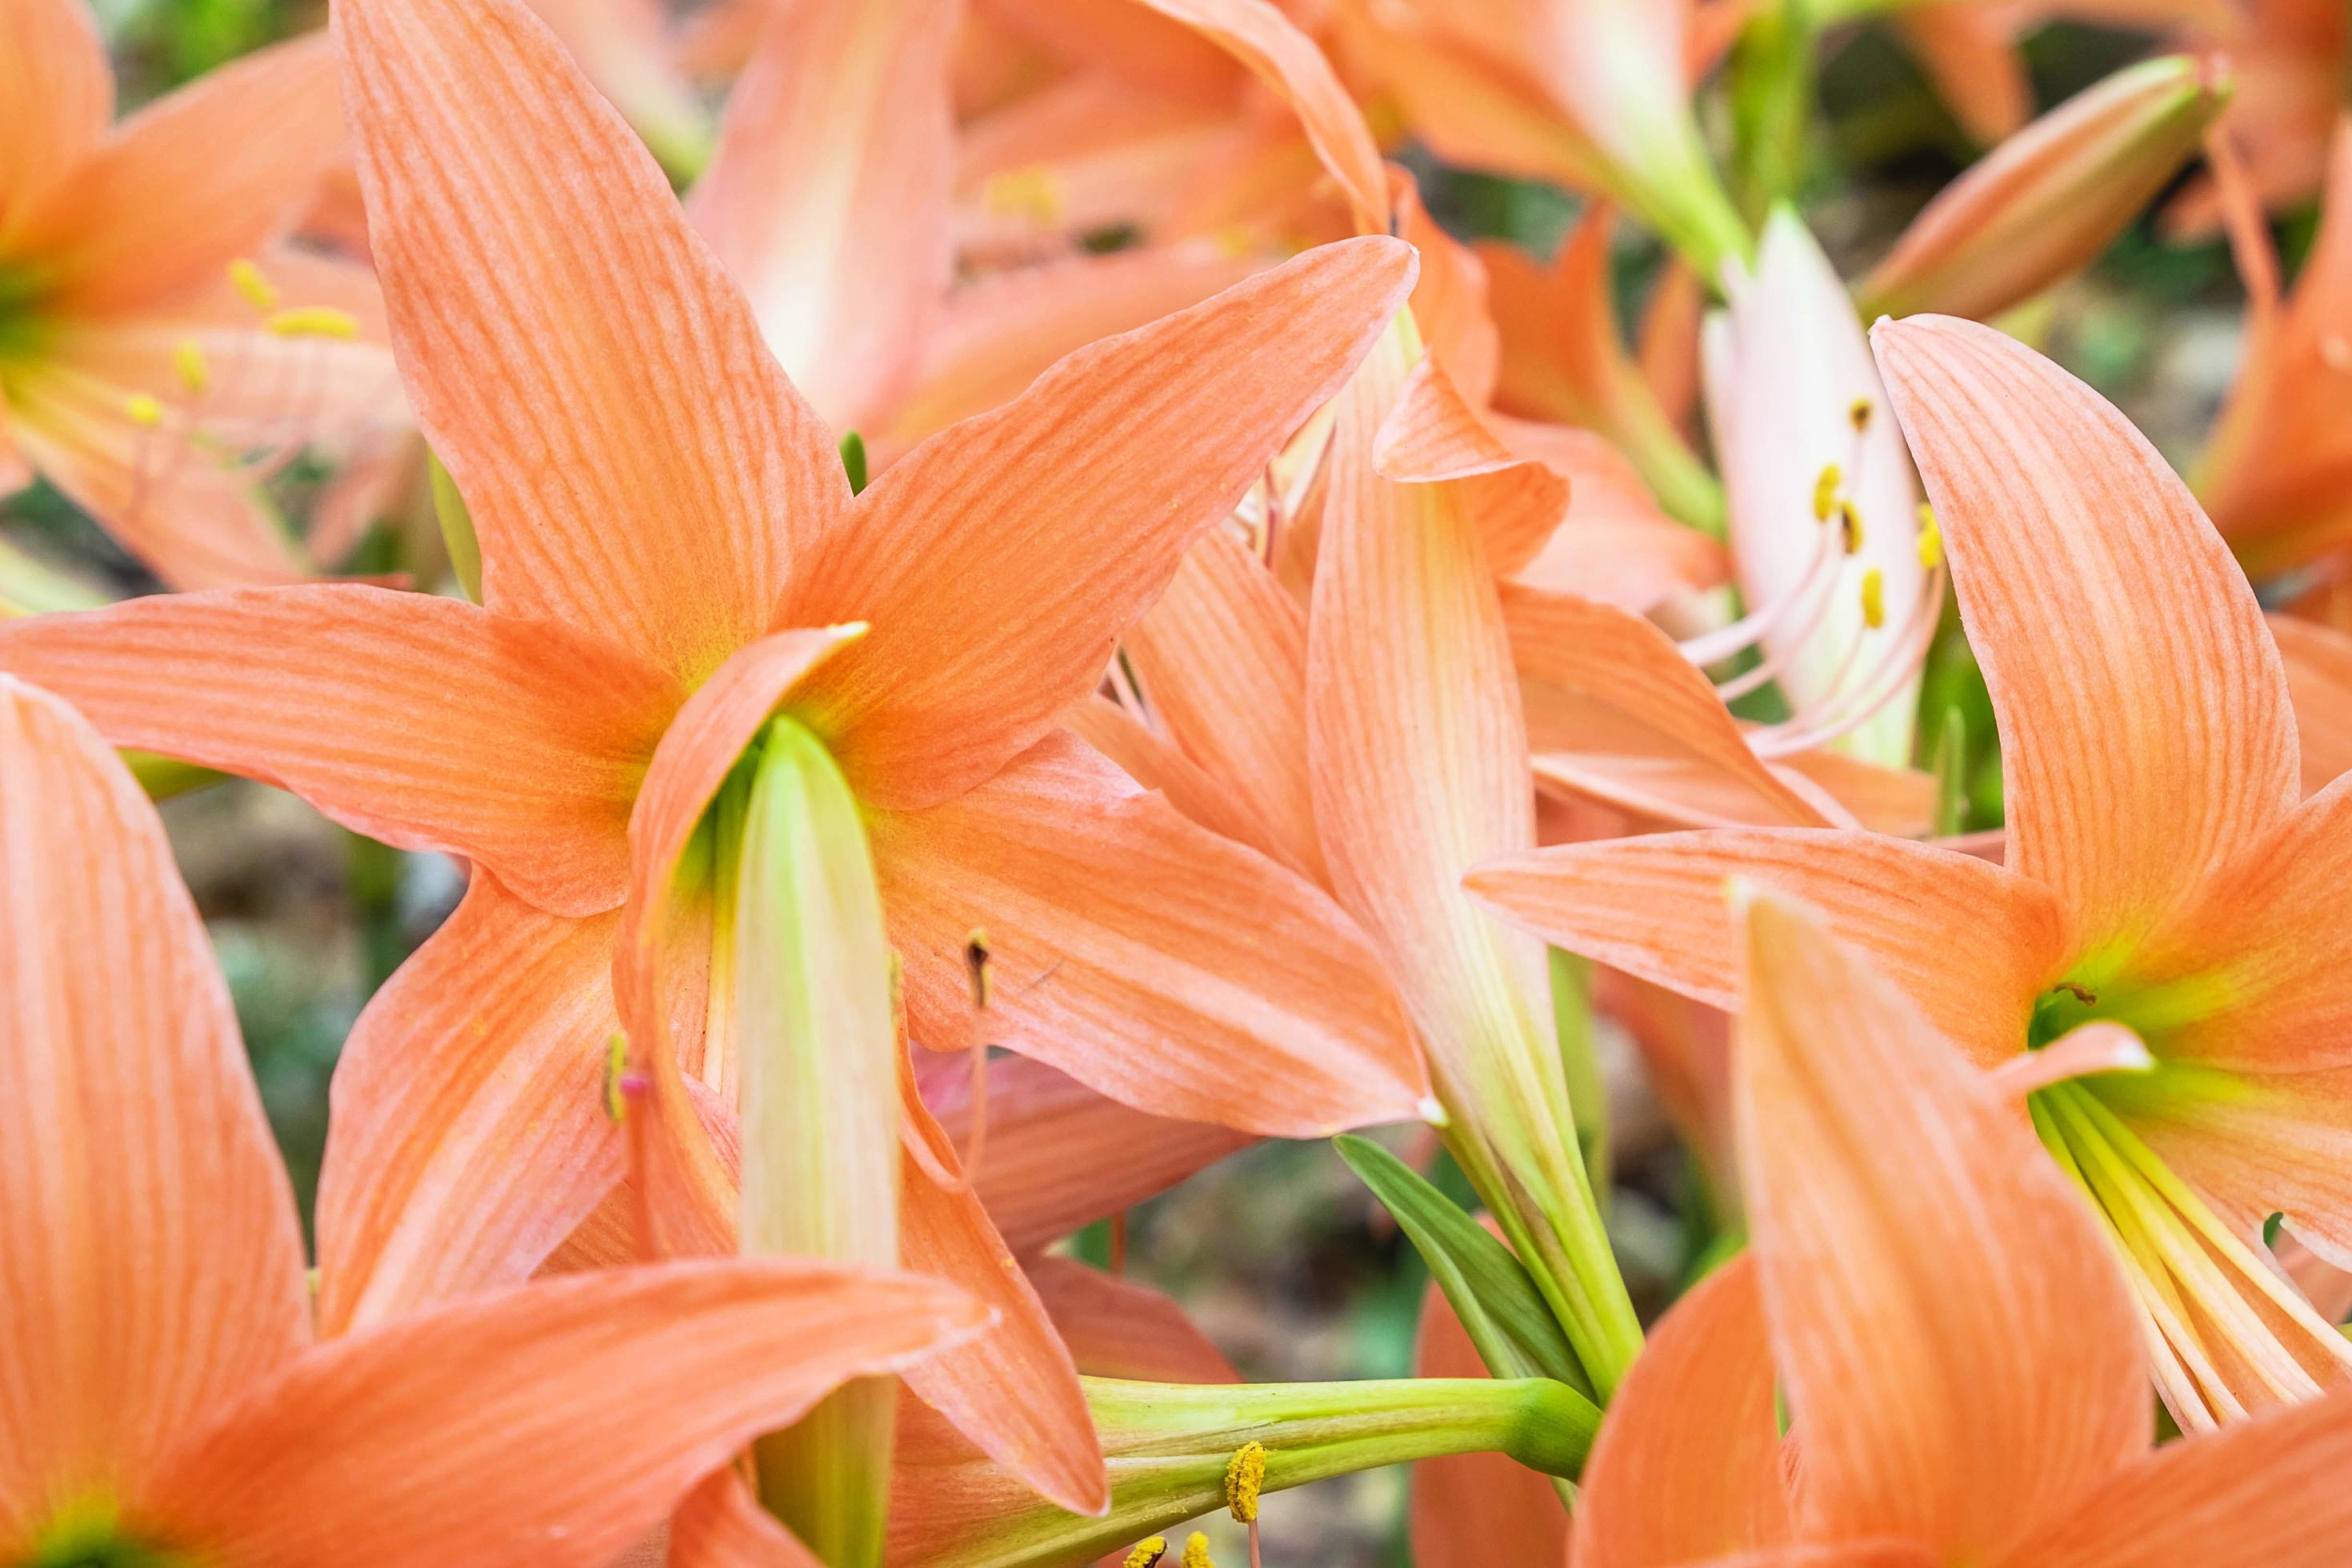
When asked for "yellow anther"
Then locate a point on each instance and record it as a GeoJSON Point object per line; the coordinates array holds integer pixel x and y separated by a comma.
{"type": "Point", "coordinates": [978, 967]}
{"type": "Point", "coordinates": [249, 280]}
{"type": "Point", "coordinates": [1196, 1551]}
{"type": "Point", "coordinates": [1825, 490]}
{"type": "Point", "coordinates": [1148, 1553]}
{"type": "Point", "coordinates": [143, 410]}
{"type": "Point", "coordinates": [1860, 413]}
{"type": "Point", "coordinates": [616, 1062]}
{"type": "Point", "coordinates": [1234, 241]}
{"type": "Point", "coordinates": [1931, 538]}
{"type": "Point", "coordinates": [313, 321]}
{"type": "Point", "coordinates": [195, 373]}
{"type": "Point", "coordinates": [1244, 1477]}
{"type": "Point", "coordinates": [1874, 599]}
{"type": "Point", "coordinates": [1851, 520]}
{"type": "Point", "coordinates": [1032, 191]}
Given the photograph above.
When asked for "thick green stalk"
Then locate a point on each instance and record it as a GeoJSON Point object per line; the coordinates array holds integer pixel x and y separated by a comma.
{"type": "Point", "coordinates": [1169, 1447]}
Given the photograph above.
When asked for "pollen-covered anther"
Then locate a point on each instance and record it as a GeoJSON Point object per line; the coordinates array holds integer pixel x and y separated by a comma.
{"type": "Point", "coordinates": [1850, 522]}
{"type": "Point", "coordinates": [1858, 413]}
{"type": "Point", "coordinates": [1825, 492]}
{"type": "Point", "coordinates": [1244, 1476]}
{"type": "Point", "coordinates": [1874, 599]}
{"type": "Point", "coordinates": [313, 321]}
{"type": "Point", "coordinates": [1196, 1551]}
{"type": "Point", "coordinates": [252, 285]}
{"type": "Point", "coordinates": [617, 1065]}
{"type": "Point", "coordinates": [188, 362]}
{"type": "Point", "coordinates": [1931, 538]}
{"type": "Point", "coordinates": [1148, 1553]}
{"type": "Point", "coordinates": [979, 967]}
{"type": "Point", "coordinates": [1031, 191]}
{"type": "Point", "coordinates": [143, 409]}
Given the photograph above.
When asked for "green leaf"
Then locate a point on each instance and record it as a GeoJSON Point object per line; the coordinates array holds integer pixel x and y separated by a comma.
{"type": "Point", "coordinates": [1514, 1332]}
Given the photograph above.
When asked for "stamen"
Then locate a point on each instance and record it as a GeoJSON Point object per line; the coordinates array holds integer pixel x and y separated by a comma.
{"type": "Point", "coordinates": [313, 321]}
{"type": "Point", "coordinates": [1818, 727]}
{"type": "Point", "coordinates": [1714, 646]}
{"type": "Point", "coordinates": [980, 972]}
{"type": "Point", "coordinates": [1850, 522]}
{"type": "Point", "coordinates": [188, 360]}
{"type": "Point", "coordinates": [1196, 1551]}
{"type": "Point", "coordinates": [1825, 493]}
{"type": "Point", "coordinates": [1244, 1477]}
{"type": "Point", "coordinates": [1931, 538]}
{"type": "Point", "coordinates": [143, 409]}
{"type": "Point", "coordinates": [1032, 191]}
{"type": "Point", "coordinates": [1860, 414]}
{"type": "Point", "coordinates": [250, 281]}
{"type": "Point", "coordinates": [1148, 1553]}
{"type": "Point", "coordinates": [1874, 599]}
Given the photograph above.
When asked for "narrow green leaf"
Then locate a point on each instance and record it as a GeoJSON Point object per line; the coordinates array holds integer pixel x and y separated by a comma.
{"type": "Point", "coordinates": [1514, 1332]}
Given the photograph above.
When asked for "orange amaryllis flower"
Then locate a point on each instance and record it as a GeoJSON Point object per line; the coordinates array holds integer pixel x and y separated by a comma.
{"type": "Point", "coordinates": [1994, 1411]}
{"type": "Point", "coordinates": [169, 1401]}
{"type": "Point", "coordinates": [665, 530]}
{"type": "Point", "coordinates": [149, 368]}
{"type": "Point", "coordinates": [2278, 473]}
{"type": "Point", "coordinates": [2161, 878]}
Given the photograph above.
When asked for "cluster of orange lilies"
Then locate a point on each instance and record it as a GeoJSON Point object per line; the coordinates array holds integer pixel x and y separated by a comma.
{"type": "Point", "coordinates": [1048, 548]}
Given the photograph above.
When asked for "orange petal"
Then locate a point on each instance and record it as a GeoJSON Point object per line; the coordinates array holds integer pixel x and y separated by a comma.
{"type": "Point", "coordinates": [1689, 1464]}
{"type": "Point", "coordinates": [1222, 662]}
{"type": "Point", "coordinates": [827, 197]}
{"type": "Point", "coordinates": [1061, 1156]}
{"type": "Point", "coordinates": [2264, 951]}
{"type": "Point", "coordinates": [1900, 801]}
{"type": "Point", "coordinates": [1616, 545]}
{"type": "Point", "coordinates": [1117, 1328]}
{"type": "Point", "coordinates": [1890, 1183]}
{"type": "Point", "coordinates": [1013, 1391]}
{"type": "Point", "coordinates": [721, 1525]}
{"type": "Point", "coordinates": [1474, 1510]}
{"type": "Point", "coordinates": [1001, 332]}
{"type": "Point", "coordinates": [1296, 72]}
{"type": "Point", "coordinates": [149, 1243]}
{"type": "Point", "coordinates": [401, 716]}
{"type": "Point", "coordinates": [1973, 944]}
{"type": "Point", "coordinates": [470, 1130]}
{"type": "Point", "coordinates": [633, 460]}
{"type": "Point", "coordinates": [2319, 680]}
{"type": "Point", "coordinates": [552, 1425]}
{"type": "Point", "coordinates": [1432, 436]}
{"type": "Point", "coordinates": [2045, 204]}
{"type": "Point", "coordinates": [2269, 1490]}
{"type": "Point", "coordinates": [1139, 49]}
{"type": "Point", "coordinates": [57, 94]}
{"type": "Point", "coordinates": [1614, 709]}
{"type": "Point", "coordinates": [191, 183]}
{"type": "Point", "coordinates": [1121, 960]}
{"type": "Point", "coordinates": [999, 562]}
{"type": "Point", "coordinates": [2146, 732]}
{"type": "Point", "coordinates": [1449, 303]}
{"type": "Point", "coordinates": [2255, 1144]}
{"type": "Point", "coordinates": [1418, 748]}
{"type": "Point", "coordinates": [1969, 52]}
{"type": "Point", "coordinates": [1152, 761]}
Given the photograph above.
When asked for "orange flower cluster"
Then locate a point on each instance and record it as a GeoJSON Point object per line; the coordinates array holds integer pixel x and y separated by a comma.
{"type": "Point", "coordinates": [1049, 547]}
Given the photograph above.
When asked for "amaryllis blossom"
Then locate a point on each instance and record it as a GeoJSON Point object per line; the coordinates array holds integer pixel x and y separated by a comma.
{"type": "Point", "coordinates": [159, 351]}
{"type": "Point", "coordinates": [2165, 876]}
{"type": "Point", "coordinates": [1826, 537]}
{"type": "Point", "coordinates": [170, 1398]}
{"type": "Point", "coordinates": [671, 554]}
{"type": "Point", "coordinates": [1928, 1300]}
